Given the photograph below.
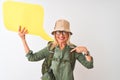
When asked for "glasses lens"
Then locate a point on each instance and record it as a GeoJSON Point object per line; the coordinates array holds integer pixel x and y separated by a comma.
{"type": "Point", "coordinates": [64, 33]}
{"type": "Point", "coordinates": [61, 32]}
{"type": "Point", "coordinates": [58, 32]}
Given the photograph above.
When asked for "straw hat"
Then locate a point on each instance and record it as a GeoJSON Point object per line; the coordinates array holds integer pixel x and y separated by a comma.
{"type": "Point", "coordinates": [62, 25]}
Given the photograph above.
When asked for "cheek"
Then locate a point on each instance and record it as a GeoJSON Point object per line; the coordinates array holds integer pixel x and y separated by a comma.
{"type": "Point", "coordinates": [67, 36]}
{"type": "Point", "coordinates": [58, 37]}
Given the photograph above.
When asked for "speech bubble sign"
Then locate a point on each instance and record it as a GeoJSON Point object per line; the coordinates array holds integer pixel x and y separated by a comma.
{"type": "Point", "coordinates": [27, 15]}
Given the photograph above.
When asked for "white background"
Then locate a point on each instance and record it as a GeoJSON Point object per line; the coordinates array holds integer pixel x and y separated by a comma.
{"type": "Point", "coordinates": [94, 23]}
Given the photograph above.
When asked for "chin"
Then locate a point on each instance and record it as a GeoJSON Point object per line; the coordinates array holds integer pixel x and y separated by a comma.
{"type": "Point", "coordinates": [61, 41]}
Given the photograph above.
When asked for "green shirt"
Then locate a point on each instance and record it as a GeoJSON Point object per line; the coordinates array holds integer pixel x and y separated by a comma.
{"type": "Point", "coordinates": [61, 61]}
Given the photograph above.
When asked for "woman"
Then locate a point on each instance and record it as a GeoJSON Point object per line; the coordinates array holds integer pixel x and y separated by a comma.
{"type": "Point", "coordinates": [62, 48]}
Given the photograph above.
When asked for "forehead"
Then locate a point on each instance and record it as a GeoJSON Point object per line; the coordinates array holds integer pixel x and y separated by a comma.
{"type": "Point", "coordinates": [61, 31]}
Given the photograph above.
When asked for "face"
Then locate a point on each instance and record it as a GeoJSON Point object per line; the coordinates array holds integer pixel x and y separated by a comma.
{"type": "Point", "coordinates": [61, 36]}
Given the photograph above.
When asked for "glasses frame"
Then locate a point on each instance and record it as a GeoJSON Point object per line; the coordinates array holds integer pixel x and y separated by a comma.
{"type": "Point", "coordinates": [61, 32]}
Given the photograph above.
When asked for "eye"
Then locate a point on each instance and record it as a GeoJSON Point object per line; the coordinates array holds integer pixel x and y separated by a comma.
{"type": "Point", "coordinates": [61, 32]}
{"type": "Point", "coordinates": [58, 32]}
{"type": "Point", "coordinates": [64, 33]}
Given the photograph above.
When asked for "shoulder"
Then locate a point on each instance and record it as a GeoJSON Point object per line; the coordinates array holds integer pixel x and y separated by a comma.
{"type": "Point", "coordinates": [49, 44]}
{"type": "Point", "coordinates": [72, 45]}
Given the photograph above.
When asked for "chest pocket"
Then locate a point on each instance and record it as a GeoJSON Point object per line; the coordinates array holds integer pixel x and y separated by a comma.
{"type": "Point", "coordinates": [61, 55]}
{"type": "Point", "coordinates": [48, 60]}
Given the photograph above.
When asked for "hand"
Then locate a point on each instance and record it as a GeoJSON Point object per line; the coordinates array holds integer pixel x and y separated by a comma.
{"type": "Point", "coordinates": [22, 32]}
{"type": "Point", "coordinates": [80, 49]}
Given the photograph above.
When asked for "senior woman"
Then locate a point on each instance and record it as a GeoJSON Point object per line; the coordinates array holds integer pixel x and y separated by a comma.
{"type": "Point", "coordinates": [61, 65]}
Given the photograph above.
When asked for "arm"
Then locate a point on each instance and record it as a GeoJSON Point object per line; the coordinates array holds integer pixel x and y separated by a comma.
{"type": "Point", "coordinates": [29, 54]}
{"type": "Point", "coordinates": [82, 49]}
{"type": "Point", "coordinates": [83, 56]}
{"type": "Point", "coordinates": [37, 56]}
{"type": "Point", "coordinates": [22, 33]}
{"type": "Point", "coordinates": [82, 59]}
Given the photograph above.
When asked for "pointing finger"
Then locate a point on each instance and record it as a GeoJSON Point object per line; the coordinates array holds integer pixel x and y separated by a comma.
{"type": "Point", "coordinates": [73, 50]}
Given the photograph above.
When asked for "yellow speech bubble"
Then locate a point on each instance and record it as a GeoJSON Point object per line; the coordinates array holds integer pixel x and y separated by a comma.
{"type": "Point", "coordinates": [27, 15]}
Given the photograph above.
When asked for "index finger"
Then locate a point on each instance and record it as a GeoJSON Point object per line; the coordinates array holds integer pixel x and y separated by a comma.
{"type": "Point", "coordinates": [73, 50]}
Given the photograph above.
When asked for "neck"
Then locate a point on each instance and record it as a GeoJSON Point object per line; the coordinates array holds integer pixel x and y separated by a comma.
{"type": "Point", "coordinates": [62, 45]}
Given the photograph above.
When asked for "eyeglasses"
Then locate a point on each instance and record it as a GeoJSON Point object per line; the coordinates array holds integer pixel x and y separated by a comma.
{"type": "Point", "coordinates": [61, 32]}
